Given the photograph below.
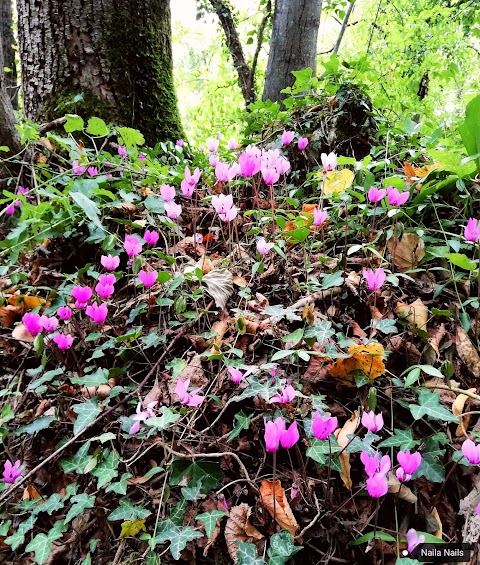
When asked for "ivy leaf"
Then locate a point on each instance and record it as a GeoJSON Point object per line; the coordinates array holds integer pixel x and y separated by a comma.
{"type": "Point", "coordinates": [257, 388]}
{"type": "Point", "coordinates": [128, 511]}
{"type": "Point", "coordinates": [431, 468]}
{"type": "Point", "coordinates": [243, 423]}
{"type": "Point", "coordinates": [39, 424]}
{"type": "Point", "coordinates": [177, 513]}
{"type": "Point", "coordinates": [131, 529]}
{"type": "Point", "coordinates": [52, 504]}
{"type": "Point", "coordinates": [41, 544]}
{"type": "Point", "coordinates": [209, 473]}
{"type": "Point", "coordinates": [166, 418]}
{"type": "Point", "coordinates": [430, 407]}
{"type": "Point", "coordinates": [363, 444]}
{"type": "Point", "coordinates": [321, 332]}
{"type": "Point", "coordinates": [87, 412]}
{"type": "Point", "coordinates": [331, 280]}
{"type": "Point", "coordinates": [320, 451]}
{"type": "Point", "coordinates": [78, 462]}
{"type": "Point", "coordinates": [119, 487]}
{"type": "Point", "coordinates": [386, 326]}
{"type": "Point", "coordinates": [80, 503]}
{"type": "Point", "coordinates": [210, 520]}
{"type": "Point", "coordinates": [192, 493]}
{"type": "Point", "coordinates": [278, 313]}
{"type": "Point", "coordinates": [281, 548]}
{"type": "Point", "coordinates": [106, 470]}
{"type": "Point", "coordinates": [178, 536]}
{"type": "Point", "coordinates": [403, 439]}
{"type": "Point", "coordinates": [247, 554]}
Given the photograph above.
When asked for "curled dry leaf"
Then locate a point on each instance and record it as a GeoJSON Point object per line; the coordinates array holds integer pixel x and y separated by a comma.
{"type": "Point", "coordinates": [219, 286]}
{"type": "Point", "coordinates": [239, 281]}
{"type": "Point", "coordinates": [365, 358]}
{"type": "Point", "coordinates": [308, 314]}
{"type": "Point", "coordinates": [467, 352]}
{"type": "Point", "coordinates": [220, 327]}
{"type": "Point", "coordinates": [102, 391]}
{"type": "Point", "coordinates": [238, 528]}
{"type": "Point", "coordinates": [457, 409]}
{"type": "Point", "coordinates": [435, 337]}
{"type": "Point", "coordinates": [342, 434]}
{"type": "Point", "coordinates": [437, 533]}
{"type": "Point", "coordinates": [399, 489]}
{"type": "Point", "coordinates": [282, 513]}
{"type": "Point", "coordinates": [20, 333]}
{"type": "Point", "coordinates": [9, 314]}
{"type": "Point", "coordinates": [407, 251]}
{"type": "Point", "coordinates": [416, 313]}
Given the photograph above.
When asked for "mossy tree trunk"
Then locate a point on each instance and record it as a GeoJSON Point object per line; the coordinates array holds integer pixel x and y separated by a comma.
{"type": "Point", "coordinates": [293, 46]}
{"type": "Point", "coordinates": [116, 53]}
{"type": "Point", "coordinates": [8, 134]}
{"type": "Point", "coordinates": [8, 41]}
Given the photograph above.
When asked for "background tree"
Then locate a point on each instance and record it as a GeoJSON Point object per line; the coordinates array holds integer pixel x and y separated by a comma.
{"type": "Point", "coordinates": [116, 53]}
{"type": "Point", "coordinates": [8, 41]}
{"type": "Point", "coordinates": [8, 134]}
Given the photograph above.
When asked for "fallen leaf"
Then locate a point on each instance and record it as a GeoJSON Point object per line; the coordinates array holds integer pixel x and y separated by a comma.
{"type": "Point", "coordinates": [187, 246]}
{"type": "Point", "coordinates": [365, 358]}
{"type": "Point", "coordinates": [205, 264]}
{"type": "Point", "coordinates": [413, 173]}
{"type": "Point", "coordinates": [438, 533]}
{"type": "Point", "coordinates": [219, 286]}
{"type": "Point", "coordinates": [239, 281]}
{"type": "Point", "coordinates": [153, 394]}
{"type": "Point", "coordinates": [20, 333]}
{"type": "Point", "coordinates": [337, 182]}
{"type": "Point", "coordinates": [10, 314]}
{"type": "Point", "coordinates": [342, 434]}
{"type": "Point", "coordinates": [102, 391]}
{"type": "Point", "coordinates": [457, 410]}
{"type": "Point", "coordinates": [281, 513]}
{"type": "Point", "coordinates": [435, 337]}
{"type": "Point", "coordinates": [407, 251]}
{"type": "Point", "coordinates": [416, 313]}
{"type": "Point", "coordinates": [238, 528]}
{"type": "Point", "coordinates": [399, 489]}
{"type": "Point", "coordinates": [308, 314]}
{"type": "Point", "coordinates": [131, 529]}
{"type": "Point", "coordinates": [467, 352]}
{"type": "Point", "coordinates": [31, 493]}
{"type": "Point", "coordinates": [220, 327]}
{"type": "Point", "coordinates": [30, 302]}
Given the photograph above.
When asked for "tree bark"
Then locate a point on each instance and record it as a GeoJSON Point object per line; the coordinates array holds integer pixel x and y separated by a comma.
{"type": "Point", "coordinates": [8, 41]}
{"type": "Point", "coordinates": [116, 53]}
{"type": "Point", "coordinates": [294, 44]}
{"type": "Point", "coordinates": [8, 134]}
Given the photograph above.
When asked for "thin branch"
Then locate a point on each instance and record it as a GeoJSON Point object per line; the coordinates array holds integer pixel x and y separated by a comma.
{"type": "Point", "coordinates": [344, 26]}
{"type": "Point", "coordinates": [261, 31]}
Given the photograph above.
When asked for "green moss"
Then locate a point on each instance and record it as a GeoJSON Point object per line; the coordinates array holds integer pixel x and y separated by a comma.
{"type": "Point", "coordinates": [70, 101]}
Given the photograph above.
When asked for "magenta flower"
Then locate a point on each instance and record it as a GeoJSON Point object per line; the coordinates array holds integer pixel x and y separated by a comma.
{"type": "Point", "coordinates": [132, 245]}
{"type": "Point", "coordinates": [273, 371]}
{"type": "Point", "coordinates": [263, 247]}
{"type": "Point", "coordinates": [236, 375]}
{"type": "Point", "coordinates": [173, 210]}
{"type": "Point", "coordinates": [142, 157]}
{"type": "Point", "coordinates": [98, 312]}
{"type": "Point", "coordinates": [319, 216]}
{"type": "Point", "coordinates": [122, 151]}
{"type": "Point", "coordinates": [372, 422]}
{"type": "Point", "coordinates": [188, 398]}
{"type": "Point", "coordinates": [64, 313]}
{"type": "Point", "coordinates": [272, 434]}
{"type": "Point", "coordinates": [190, 181]}
{"type": "Point", "coordinates": [322, 428]}
{"type": "Point", "coordinates": [472, 230]}
{"type": "Point", "coordinates": [82, 295]}
{"type": "Point", "coordinates": [377, 485]}
{"type": "Point", "coordinates": [10, 209]}
{"type": "Point", "coordinates": [287, 137]}
{"type": "Point", "coordinates": [151, 237]}
{"type": "Point", "coordinates": [49, 324]}
{"type": "Point", "coordinates": [202, 148]}
{"type": "Point", "coordinates": [224, 172]}
{"type": "Point", "coordinates": [63, 341]}
{"type": "Point", "coordinates": [77, 169]}
{"type": "Point", "coordinates": [329, 162]}
{"type": "Point", "coordinates": [375, 279]}
{"type": "Point", "coordinates": [232, 144]}
{"type": "Point", "coordinates": [396, 198]}
{"type": "Point", "coordinates": [213, 160]}
{"type": "Point", "coordinates": [179, 143]}
{"type": "Point", "coordinates": [24, 192]}
{"type": "Point", "coordinates": [219, 135]}
{"type": "Point", "coordinates": [32, 323]}
{"type": "Point", "coordinates": [148, 278]}
{"type": "Point", "coordinates": [287, 395]}
{"type": "Point", "coordinates": [282, 165]}
{"type": "Point", "coordinates": [224, 207]}
{"type": "Point", "coordinates": [212, 144]}
{"type": "Point", "coordinates": [402, 476]}
{"type": "Point", "coordinates": [302, 143]}
{"type": "Point", "coordinates": [372, 464]}
{"type": "Point", "coordinates": [471, 452]}
{"type": "Point", "coordinates": [142, 415]}
{"type": "Point", "coordinates": [413, 539]}
{"type": "Point", "coordinates": [250, 162]}
{"type": "Point", "coordinates": [110, 262]}
{"type": "Point", "coordinates": [104, 287]}
{"type": "Point", "coordinates": [290, 436]}
{"type": "Point", "coordinates": [92, 171]}
{"type": "Point", "coordinates": [167, 192]}
{"type": "Point", "coordinates": [270, 176]}
{"type": "Point", "coordinates": [375, 195]}
{"type": "Point", "coordinates": [11, 472]}
{"type": "Point", "coordinates": [409, 462]}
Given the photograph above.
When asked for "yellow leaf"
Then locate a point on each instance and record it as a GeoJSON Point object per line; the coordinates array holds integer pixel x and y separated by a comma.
{"type": "Point", "coordinates": [337, 182]}
{"type": "Point", "coordinates": [343, 440]}
{"type": "Point", "coordinates": [131, 529]}
{"type": "Point", "coordinates": [365, 358]}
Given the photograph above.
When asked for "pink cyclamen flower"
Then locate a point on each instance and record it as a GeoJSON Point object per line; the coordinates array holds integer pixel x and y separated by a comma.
{"type": "Point", "coordinates": [319, 217]}
{"type": "Point", "coordinates": [287, 395]}
{"type": "Point", "coordinates": [236, 375]}
{"type": "Point", "coordinates": [48, 323]}
{"type": "Point", "coordinates": [179, 143]}
{"type": "Point", "coordinates": [413, 539]}
{"type": "Point", "coordinates": [11, 472]}
{"type": "Point", "coordinates": [82, 295]}
{"type": "Point", "coordinates": [32, 323]}
{"type": "Point", "coordinates": [224, 207]}
{"type": "Point", "coordinates": [24, 192]}
{"type": "Point", "coordinates": [273, 371]}
{"type": "Point", "coordinates": [302, 143]}
{"type": "Point", "coordinates": [151, 237]}
{"type": "Point", "coordinates": [282, 165]}
{"type": "Point", "coordinates": [250, 163]}
{"type": "Point", "coordinates": [132, 245]}
{"type": "Point", "coordinates": [148, 278]}
{"type": "Point", "coordinates": [142, 415]}
{"type": "Point", "coordinates": [287, 137]}
{"type": "Point", "coordinates": [372, 422]}
{"type": "Point", "coordinates": [322, 428]}
{"type": "Point", "coordinates": [167, 192]}
{"type": "Point", "coordinates": [212, 144]}
{"type": "Point", "coordinates": [141, 157]}
{"type": "Point", "coordinates": [104, 287]}
{"type": "Point", "coordinates": [213, 160]}
{"type": "Point", "coordinates": [396, 198]}
{"type": "Point", "coordinates": [10, 209]}
{"type": "Point", "coordinates": [402, 476]}
{"type": "Point", "coordinates": [472, 230]}
{"type": "Point", "coordinates": [198, 237]}
{"type": "Point", "coordinates": [289, 436]}
{"type": "Point", "coordinates": [219, 135]}
{"type": "Point", "coordinates": [270, 176]}
{"type": "Point", "coordinates": [272, 435]}
{"type": "Point", "coordinates": [375, 279]}
{"type": "Point", "coordinates": [98, 312]}
{"type": "Point", "coordinates": [329, 162]}
{"type": "Point", "coordinates": [224, 172]}
{"type": "Point", "coordinates": [409, 462]}
{"type": "Point", "coordinates": [92, 171]}
{"type": "Point", "coordinates": [64, 313]}
{"type": "Point", "coordinates": [77, 169]}
{"type": "Point", "coordinates": [373, 465]}
{"type": "Point", "coordinates": [173, 210]}
{"type": "Point", "coordinates": [63, 341]}
{"type": "Point", "coordinates": [188, 398]}
{"type": "Point", "coordinates": [232, 144]}
{"type": "Point", "coordinates": [263, 247]}
{"type": "Point", "coordinates": [190, 181]}
{"type": "Point", "coordinates": [110, 262]}
{"type": "Point", "coordinates": [471, 451]}
{"type": "Point", "coordinates": [377, 485]}
{"type": "Point", "coordinates": [202, 148]}
{"type": "Point", "coordinates": [122, 151]}
{"type": "Point", "coordinates": [375, 195]}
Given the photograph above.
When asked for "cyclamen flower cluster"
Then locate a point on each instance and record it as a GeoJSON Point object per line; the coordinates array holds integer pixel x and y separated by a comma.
{"type": "Point", "coordinates": [224, 207]}
{"type": "Point", "coordinates": [277, 433]}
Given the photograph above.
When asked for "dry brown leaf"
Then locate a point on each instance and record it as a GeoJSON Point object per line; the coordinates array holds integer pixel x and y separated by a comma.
{"type": "Point", "coordinates": [239, 281]}
{"type": "Point", "coordinates": [342, 434]}
{"type": "Point", "coordinates": [238, 528]}
{"type": "Point", "coordinates": [416, 313]}
{"type": "Point", "coordinates": [219, 286]}
{"type": "Point", "coordinates": [437, 533]}
{"type": "Point", "coordinates": [407, 251]}
{"type": "Point", "coordinates": [467, 352]}
{"type": "Point", "coordinates": [102, 391]}
{"type": "Point", "coordinates": [282, 513]}
{"type": "Point", "coordinates": [399, 489]}
{"type": "Point", "coordinates": [30, 302]}
{"type": "Point", "coordinates": [187, 246]}
{"type": "Point", "coordinates": [365, 358]}
{"type": "Point", "coordinates": [153, 394]}
{"type": "Point", "coordinates": [220, 327]}
{"type": "Point", "coordinates": [308, 314]}
{"type": "Point", "coordinates": [20, 333]}
{"type": "Point", "coordinates": [9, 314]}
{"type": "Point", "coordinates": [457, 410]}
{"type": "Point", "coordinates": [31, 493]}
{"type": "Point", "coordinates": [205, 264]}
{"type": "Point", "coordinates": [435, 338]}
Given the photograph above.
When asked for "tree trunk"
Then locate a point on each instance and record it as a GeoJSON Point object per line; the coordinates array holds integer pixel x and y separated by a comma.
{"type": "Point", "coordinates": [116, 53]}
{"type": "Point", "coordinates": [8, 134]}
{"type": "Point", "coordinates": [293, 46]}
{"type": "Point", "coordinates": [8, 40]}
